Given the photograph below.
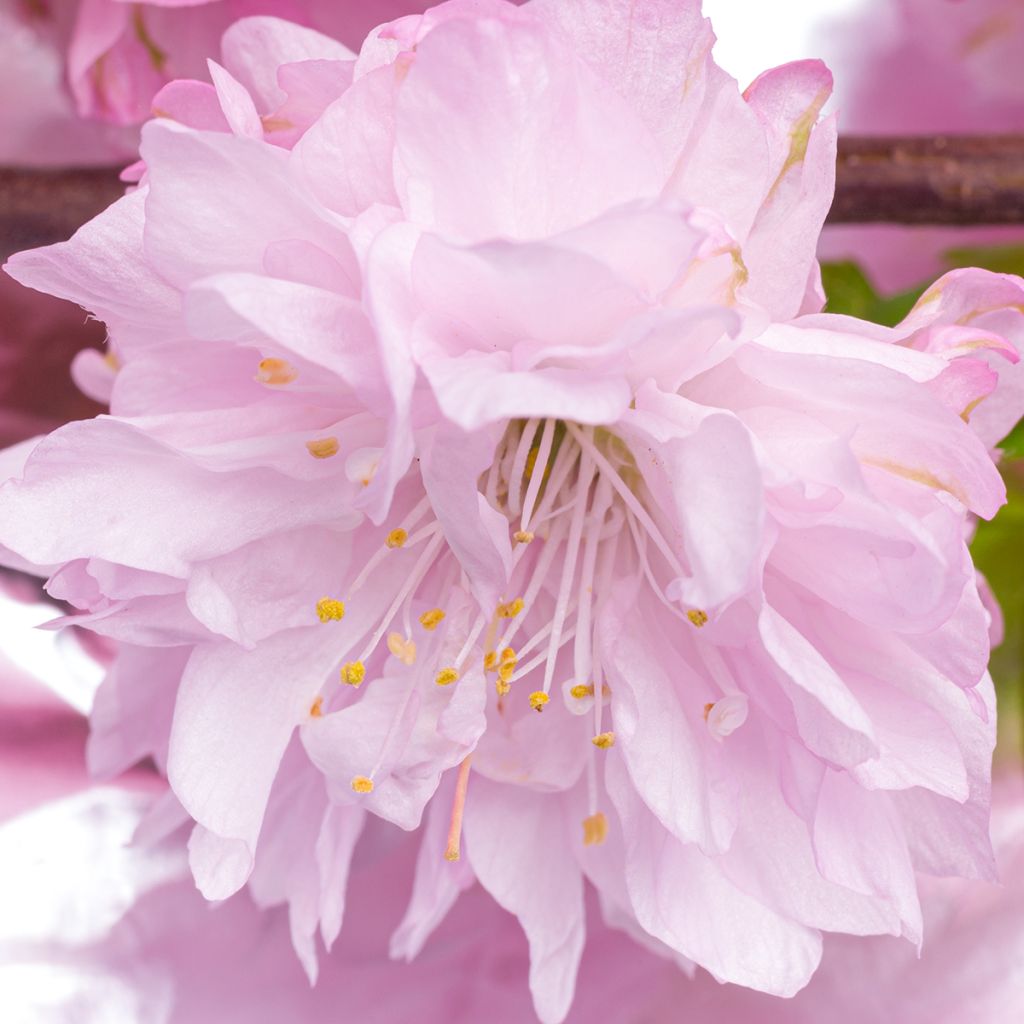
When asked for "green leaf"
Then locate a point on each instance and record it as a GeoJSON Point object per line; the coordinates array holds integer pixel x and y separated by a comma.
{"type": "Point", "coordinates": [849, 291]}
{"type": "Point", "coordinates": [1012, 445]}
{"type": "Point", "coordinates": [1002, 259]}
{"type": "Point", "coordinates": [998, 550]}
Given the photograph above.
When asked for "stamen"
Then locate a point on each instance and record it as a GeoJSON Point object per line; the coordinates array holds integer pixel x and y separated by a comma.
{"type": "Point", "coordinates": [353, 673]}
{"type": "Point", "coordinates": [544, 656]}
{"type": "Point", "coordinates": [490, 661]}
{"type": "Point", "coordinates": [361, 465]}
{"type": "Point", "coordinates": [543, 564]}
{"type": "Point", "coordinates": [403, 648]}
{"type": "Point", "coordinates": [523, 536]}
{"type": "Point", "coordinates": [541, 454]}
{"type": "Point", "coordinates": [511, 609]}
{"type": "Point", "coordinates": [328, 609]}
{"type": "Point", "coordinates": [275, 372]}
{"type": "Point", "coordinates": [538, 699]}
{"type": "Point", "coordinates": [640, 543]}
{"type": "Point", "coordinates": [725, 716]}
{"type": "Point", "coordinates": [583, 482]}
{"type": "Point", "coordinates": [446, 677]}
{"type": "Point", "coordinates": [502, 687]}
{"type": "Point", "coordinates": [317, 708]}
{"type": "Point", "coordinates": [451, 852]}
{"type": "Point", "coordinates": [521, 465]}
{"type": "Point", "coordinates": [419, 570]}
{"type": "Point", "coordinates": [605, 575]}
{"type": "Point", "coordinates": [565, 462]}
{"type": "Point", "coordinates": [583, 645]}
{"type": "Point", "coordinates": [467, 647]}
{"type": "Point", "coordinates": [697, 616]}
{"type": "Point", "coordinates": [630, 499]}
{"type": "Point", "coordinates": [361, 784]}
{"type": "Point", "coordinates": [579, 691]}
{"type": "Point", "coordinates": [508, 655]}
{"type": "Point", "coordinates": [381, 553]}
{"type": "Point", "coordinates": [604, 740]}
{"type": "Point", "coordinates": [430, 620]}
{"type": "Point", "coordinates": [595, 829]}
{"type": "Point", "coordinates": [506, 670]}
{"type": "Point", "coordinates": [322, 447]}
{"type": "Point", "coordinates": [396, 538]}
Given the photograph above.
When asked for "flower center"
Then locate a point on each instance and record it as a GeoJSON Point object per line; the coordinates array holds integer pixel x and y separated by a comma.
{"type": "Point", "coordinates": [582, 520]}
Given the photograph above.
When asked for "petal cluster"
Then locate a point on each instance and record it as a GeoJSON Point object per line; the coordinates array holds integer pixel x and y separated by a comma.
{"type": "Point", "coordinates": [479, 461]}
{"type": "Point", "coordinates": [144, 944]}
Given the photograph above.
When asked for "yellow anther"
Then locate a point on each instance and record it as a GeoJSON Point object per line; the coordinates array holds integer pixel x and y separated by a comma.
{"type": "Point", "coordinates": [523, 536]}
{"type": "Point", "coordinates": [275, 124]}
{"type": "Point", "coordinates": [506, 670]}
{"type": "Point", "coordinates": [538, 699]}
{"type": "Point", "coordinates": [579, 691]}
{"type": "Point", "coordinates": [322, 447]}
{"type": "Point", "coordinates": [446, 677]}
{"type": "Point", "coordinates": [429, 620]}
{"type": "Point", "coordinates": [361, 784]}
{"type": "Point", "coordinates": [317, 708]}
{"type": "Point", "coordinates": [404, 650]}
{"type": "Point", "coordinates": [595, 829]}
{"type": "Point", "coordinates": [502, 687]}
{"type": "Point", "coordinates": [327, 609]}
{"type": "Point", "coordinates": [604, 740]}
{"type": "Point", "coordinates": [353, 672]}
{"type": "Point", "coordinates": [508, 655]}
{"type": "Point", "coordinates": [511, 609]}
{"type": "Point", "coordinates": [396, 538]}
{"type": "Point", "coordinates": [275, 372]}
{"type": "Point", "coordinates": [531, 461]}
{"type": "Point", "coordinates": [697, 617]}
{"type": "Point", "coordinates": [491, 661]}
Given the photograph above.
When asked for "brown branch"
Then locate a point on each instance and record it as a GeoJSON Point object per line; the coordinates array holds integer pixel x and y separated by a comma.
{"type": "Point", "coordinates": [943, 179]}
{"type": "Point", "coordinates": [40, 206]}
{"type": "Point", "coordinates": [965, 179]}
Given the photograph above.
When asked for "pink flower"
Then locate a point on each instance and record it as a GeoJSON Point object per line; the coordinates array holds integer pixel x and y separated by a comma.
{"type": "Point", "coordinates": [481, 464]}
{"type": "Point", "coordinates": [923, 67]}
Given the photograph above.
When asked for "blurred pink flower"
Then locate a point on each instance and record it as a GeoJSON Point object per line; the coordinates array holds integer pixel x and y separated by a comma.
{"type": "Point", "coordinates": [120, 54]}
{"type": "Point", "coordinates": [39, 124]}
{"type": "Point", "coordinates": [110, 58]}
{"type": "Point", "coordinates": [922, 67]}
{"type": "Point", "coordinates": [478, 458]}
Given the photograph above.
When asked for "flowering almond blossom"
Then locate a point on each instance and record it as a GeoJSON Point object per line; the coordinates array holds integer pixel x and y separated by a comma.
{"type": "Point", "coordinates": [479, 461]}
